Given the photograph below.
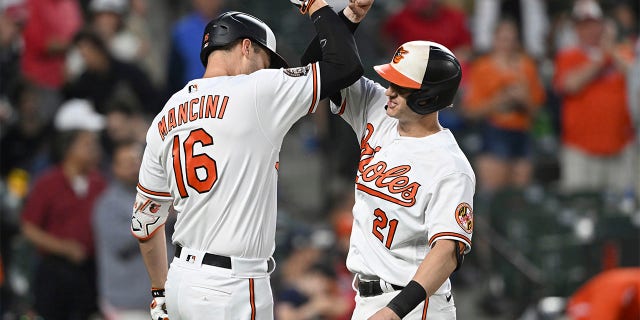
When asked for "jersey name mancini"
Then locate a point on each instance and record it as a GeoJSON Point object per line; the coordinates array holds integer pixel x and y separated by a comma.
{"type": "Point", "coordinates": [378, 179]}
{"type": "Point", "coordinates": [210, 106]}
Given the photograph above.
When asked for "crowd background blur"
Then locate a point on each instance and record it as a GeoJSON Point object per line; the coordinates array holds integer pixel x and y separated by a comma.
{"type": "Point", "coordinates": [548, 112]}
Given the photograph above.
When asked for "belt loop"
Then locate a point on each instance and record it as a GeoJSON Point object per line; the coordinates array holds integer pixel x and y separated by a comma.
{"type": "Point", "coordinates": [385, 286]}
{"type": "Point", "coordinates": [354, 283]}
{"type": "Point", "coordinates": [271, 265]}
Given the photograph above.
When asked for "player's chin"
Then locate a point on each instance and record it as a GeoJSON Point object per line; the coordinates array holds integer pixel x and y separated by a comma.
{"type": "Point", "coordinates": [391, 110]}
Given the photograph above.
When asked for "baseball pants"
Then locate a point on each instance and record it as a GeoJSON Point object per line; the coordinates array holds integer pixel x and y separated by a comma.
{"type": "Point", "coordinates": [198, 291]}
{"type": "Point", "coordinates": [438, 308]}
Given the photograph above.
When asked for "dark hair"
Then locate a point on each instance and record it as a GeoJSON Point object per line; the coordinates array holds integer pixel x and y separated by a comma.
{"type": "Point", "coordinates": [93, 39]}
{"type": "Point", "coordinates": [17, 88]}
{"type": "Point", "coordinates": [62, 143]}
{"type": "Point", "coordinates": [230, 45]}
{"type": "Point", "coordinates": [122, 106]}
{"type": "Point", "coordinates": [128, 143]}
{"type": "Point", "coordinates": [324, 269]}
{"type": "Point", "coordinates": [508, 20]}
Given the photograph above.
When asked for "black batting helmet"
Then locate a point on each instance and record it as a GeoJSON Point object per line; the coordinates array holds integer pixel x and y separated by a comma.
{"type": "Point", "coordinates": [234, 25]}
{"type": "Point", "coordinates": [429, 67]}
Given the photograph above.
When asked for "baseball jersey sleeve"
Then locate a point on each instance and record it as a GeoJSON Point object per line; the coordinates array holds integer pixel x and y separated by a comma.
{"type": "Point", "coordinates": [152, 179]}
{"type": "Point", "coordinates": [284, 96]}
{"type": "Point", "coordinates": [450, 212]}
{"type": "Point", "coordinates": [360, 101]}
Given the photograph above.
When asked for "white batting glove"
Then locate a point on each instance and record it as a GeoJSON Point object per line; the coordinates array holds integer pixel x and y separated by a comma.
{"type": "Point", "coordinates": [303, 5]}
{"type": "Point", "coordinates": [158, 308]}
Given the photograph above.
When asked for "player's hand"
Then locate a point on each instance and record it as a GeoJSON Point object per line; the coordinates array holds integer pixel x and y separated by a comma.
{"type": "Point", "coordinates": [384, 314]}
{"type": "Point", "coordinates": [357, 9]}
{"type": "Point", "coordinates": [303, 5]}
{"type": "Point", "coordinates": [158, 308]}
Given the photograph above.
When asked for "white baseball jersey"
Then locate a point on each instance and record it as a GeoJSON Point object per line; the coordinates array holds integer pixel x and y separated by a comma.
{"type": "Point", "coordinates": [214, 150]}
{"type": "Point", "coordinates": [410, 192]}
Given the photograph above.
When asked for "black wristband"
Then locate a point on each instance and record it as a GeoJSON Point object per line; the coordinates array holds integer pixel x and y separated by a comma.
{"type": "Point", "coordinates": [352, 26]}
{"type": "Point", "coordinates": [410, 297]}
{"type": "Point", "coordinates": [157, 292]}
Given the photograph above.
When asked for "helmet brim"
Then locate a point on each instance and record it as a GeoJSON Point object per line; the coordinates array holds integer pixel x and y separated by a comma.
{"type": "Point", "coordinates": [389, 73]}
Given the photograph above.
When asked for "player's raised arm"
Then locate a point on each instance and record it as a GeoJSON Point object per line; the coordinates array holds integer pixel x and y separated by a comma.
{"type": "Point", "coordinates": [340, 64]}
{"type": "Point", "coordinates": [351, 16]}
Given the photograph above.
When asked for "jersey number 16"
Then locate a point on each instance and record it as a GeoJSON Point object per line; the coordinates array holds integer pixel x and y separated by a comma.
{"type": "Point", "coordinates": [193, 162]}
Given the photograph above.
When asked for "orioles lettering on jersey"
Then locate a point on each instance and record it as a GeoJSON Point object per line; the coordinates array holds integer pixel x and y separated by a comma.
{"type": "Point", "coordinates": [194, 109]}
{"type": "Point", "coordinates": [392, 184]}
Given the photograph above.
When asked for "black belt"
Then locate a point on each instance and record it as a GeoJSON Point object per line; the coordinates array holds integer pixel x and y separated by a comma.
{"type": "Point", "coordinates": [372, 288]}
{"type": "Point", "coordinates": [209, 259]}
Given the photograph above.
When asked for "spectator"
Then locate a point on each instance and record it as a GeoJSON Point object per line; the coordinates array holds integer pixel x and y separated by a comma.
{"type": "Point", "coordinates": [107, 78]}
{"type": "Point", "coordinates": [12, 17]}
{"type": "Point", "coordinates": [184, 58]}
{"type": "Point", "coordinates": [25, 144]}
{"type": "Point", "coordinates": [57, 218]}
{"type": "Point", "coordinates": [125, 123]}
{"type": "Point", "coordinates": [626, 21]}
{"type": "Point", "coordinates": [597, 133]}
{"type": "Point", "coordinates": [313, 296]}
{"type": "Point", "coordinates": [109, 18]}
{"type": "Point", "coordinates": [151, 53]}
{"type": "Point", "coordinates": [310, 282]}
{"type": "Point", "coordinates": [431, 20]}
{"type": "Point", "coordinates": [612, 294]}
{"type": "Point", "coordinates": [122, 277]}
{"type": "Point", "coordinates": [48, 34]}
{"type": "Point", "coordinates": [506, 101]}
{"type": "Point", "coordinates": [530, 16]}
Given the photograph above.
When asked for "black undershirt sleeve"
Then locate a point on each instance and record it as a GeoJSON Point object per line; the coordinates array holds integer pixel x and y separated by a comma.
{"type": "Point", "coordinates": [313, 52]}
{"type": "Point", "coordinates": [340, 64]}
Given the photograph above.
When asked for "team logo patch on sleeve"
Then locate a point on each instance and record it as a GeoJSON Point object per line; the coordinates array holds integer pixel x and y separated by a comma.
{"type": "Point", "coordinates": [297, 72]}
{"type": "Point", "coordinates": [464, 217]}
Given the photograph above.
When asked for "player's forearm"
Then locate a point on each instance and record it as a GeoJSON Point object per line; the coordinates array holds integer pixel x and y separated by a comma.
{"type": "Point", "coordinates": [340, 65]}
{"type": "Point", "coordinates": [437, 266]}
{"type": "Point", "coordinates": [313, 53]}
{"type": "Point", "coordinates": [154, 254]}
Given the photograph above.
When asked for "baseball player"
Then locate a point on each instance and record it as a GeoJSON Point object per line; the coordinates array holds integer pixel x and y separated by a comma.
{"type": "Point", "coordinates": [413, 212]}
{"type": "Point", "coordinates": [212, 154]}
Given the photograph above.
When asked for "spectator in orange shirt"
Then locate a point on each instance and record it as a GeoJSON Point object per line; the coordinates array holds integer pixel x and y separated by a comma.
{"type": "Point", "coordinates": [505, 91]}
{"type": "Point", "coordinates": [611, 295]}
{"type": "Point", "coordinates": [597, 131]}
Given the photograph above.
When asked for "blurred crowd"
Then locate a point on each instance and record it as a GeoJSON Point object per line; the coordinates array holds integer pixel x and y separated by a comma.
{"type": "Point", "coordinates": [548, 112]}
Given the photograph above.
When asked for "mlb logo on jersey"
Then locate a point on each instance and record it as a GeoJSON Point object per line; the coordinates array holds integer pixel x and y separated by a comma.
{"type": "Point", "coordinates": [191, 258]}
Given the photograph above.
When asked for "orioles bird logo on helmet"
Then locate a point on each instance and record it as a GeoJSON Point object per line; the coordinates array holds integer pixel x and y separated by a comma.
{"type": "Point", "coordinates": [399, 55]}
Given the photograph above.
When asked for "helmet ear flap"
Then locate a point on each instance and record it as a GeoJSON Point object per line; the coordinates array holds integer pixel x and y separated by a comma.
{"type": "Point", "coordinates": [423, 102]}
{"type": "Point", "coordinates": [439, 84]}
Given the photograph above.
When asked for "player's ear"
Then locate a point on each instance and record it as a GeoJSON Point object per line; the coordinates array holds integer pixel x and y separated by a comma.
{"type": "Point", "coordinates": [246, 46]}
